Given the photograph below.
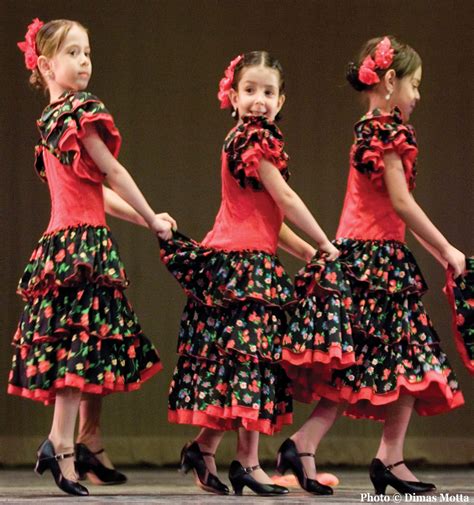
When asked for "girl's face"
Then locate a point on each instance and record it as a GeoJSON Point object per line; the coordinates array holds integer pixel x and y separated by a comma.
{"type": "Point", "coordinates": [258, 92]}
{"type": "Point", "coordinates": [406, 93]}
{"type": "Point", "coordinates": [71, 66]}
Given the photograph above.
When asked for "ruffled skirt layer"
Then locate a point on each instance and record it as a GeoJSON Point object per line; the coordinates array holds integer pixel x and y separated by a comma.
{"type": "Point", "coordinates": [360, 333]}
{"type": "Point", "coordinates": [77, 328]}
{"type": "Point", "coordinates": [229, 343]}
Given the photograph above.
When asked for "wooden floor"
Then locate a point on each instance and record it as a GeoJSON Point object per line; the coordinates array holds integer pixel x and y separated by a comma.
{"type": "Point", "coordinates": [158, 486]}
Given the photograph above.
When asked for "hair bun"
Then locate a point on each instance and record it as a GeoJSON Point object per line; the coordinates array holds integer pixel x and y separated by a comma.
{"type": "Point", "coordinates": [352, 75]}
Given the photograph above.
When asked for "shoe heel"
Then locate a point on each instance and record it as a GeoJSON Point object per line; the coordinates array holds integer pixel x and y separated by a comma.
{"type": "Point", "coordinates": [379, 486]}
{"type": "Point", "coordinates": [81, 470]}
{"type": "Point", "coordinates": [186, 465]}
{"type": "Point", "coordinates": [282, 466]}
{"type": "Point", "coordinates": [237, 487]}
{"type": "Point", "coordinates": [41, 466]}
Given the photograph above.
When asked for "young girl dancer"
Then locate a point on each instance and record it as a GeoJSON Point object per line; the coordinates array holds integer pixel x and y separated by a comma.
{"type": "Point", "coordinates": [229, 346]}
{"type": "Point", "coordinates": [397, 364]}
{"type": "Point", "coordinates": [78, 337]}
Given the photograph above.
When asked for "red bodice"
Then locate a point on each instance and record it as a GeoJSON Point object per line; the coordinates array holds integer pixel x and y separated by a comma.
{"type": "Point", "coordinates": [368, 213]}
{"type": "Point", "coordinates": [74, 200]}
{"type": "Point", "coordinates": [248, 218]}
{"type": "Point", "coordinates": [74, 181]}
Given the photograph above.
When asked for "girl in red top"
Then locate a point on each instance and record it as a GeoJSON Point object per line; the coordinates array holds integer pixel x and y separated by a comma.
{"type": "Point", "coordinates": [228, 374]}
{"type": "Point", "coordinates": [371, 326]}
{"type": "Point", "coordinates": [78, 337]}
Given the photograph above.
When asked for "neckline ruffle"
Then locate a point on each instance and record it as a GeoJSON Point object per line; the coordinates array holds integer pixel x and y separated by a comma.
{"type": "Point", "coordinates": [395, 114]}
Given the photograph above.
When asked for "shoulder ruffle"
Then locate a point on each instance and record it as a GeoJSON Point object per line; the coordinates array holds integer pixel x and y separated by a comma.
{"type": "Point", "coordinates": [62, 125]}
{"type": "Point", "coordinates": [376, 134]}
{"type": "Point", "coordinates": [246, 145]}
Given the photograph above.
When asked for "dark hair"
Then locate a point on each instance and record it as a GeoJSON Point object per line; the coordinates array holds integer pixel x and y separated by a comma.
{"type": "Point", "coordinates": [257, 59]}
{"type": "Point", "coordinates": [405, 61]}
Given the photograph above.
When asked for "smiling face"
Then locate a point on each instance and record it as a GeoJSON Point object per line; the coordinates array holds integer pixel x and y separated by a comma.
{"type": "Point", "coordinates": [258, 92]}
{"type": "Point", "coordinates": [406, 93]}
{"type": "Point", "coordinates": [71, 66]}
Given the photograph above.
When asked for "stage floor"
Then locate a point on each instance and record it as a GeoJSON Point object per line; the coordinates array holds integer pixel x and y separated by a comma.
{"type": "Point", "coordinates": [158, 486]}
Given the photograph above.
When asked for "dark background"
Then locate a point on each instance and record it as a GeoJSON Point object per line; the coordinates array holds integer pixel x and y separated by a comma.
{"type": "Point", "coordinates": [157, 65]}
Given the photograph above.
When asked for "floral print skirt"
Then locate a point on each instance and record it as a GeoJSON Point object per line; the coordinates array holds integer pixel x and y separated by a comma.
{"type": "Point", "coordinates": [460, 293]}
{"type": "Point", "coordinates": [360, 333]}
{"type": "Point", "coordinates": [229, 345]}
{"type": "Point", "coordinates": [77, 328]}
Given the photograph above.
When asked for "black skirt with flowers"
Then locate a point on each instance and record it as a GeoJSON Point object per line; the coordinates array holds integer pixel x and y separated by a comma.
{"type": "Point", "coordinates": [229, 345]}
{"type": "Point", "coordinates": [360, 333]}
{"type": "Point", "coordinates": [460, 293]}
{"type": "Point", "coordinates": [77, 328]}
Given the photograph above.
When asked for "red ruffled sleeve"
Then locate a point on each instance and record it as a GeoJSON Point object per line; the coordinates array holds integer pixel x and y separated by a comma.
{"type": "Point", "coordinates": [254, 139]}
{"type": "Point", "coordinates": [376, 135]}
{"type": "Point", "coordinates": [63, 125]}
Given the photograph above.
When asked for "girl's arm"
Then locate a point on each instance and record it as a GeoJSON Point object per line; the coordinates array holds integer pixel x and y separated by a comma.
{"type": "Point", "coordinates": [407, 208]}
{"type": "Point", "coordinates": [293, 207]}
{"type": "Point", "coordinates": [294, 244]}
{"type": "Point", "coordinates": [118, 207]}
{"type": "Point", "coordinates": [122, 182]}
{"type": "Point", "coordinates": [434, 252]}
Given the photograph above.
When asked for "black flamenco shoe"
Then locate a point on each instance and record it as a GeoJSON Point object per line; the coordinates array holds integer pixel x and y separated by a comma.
{"type": "Point", "coordinates": [381, 477]}
{"type": "Point", "coordinates": [47, 458]}
{"type": "Point", "coordinates": [290, 459]}
{"type": "Point", "coordinates": [88, 463]}
{"type": "Point", "coordinates": [192, 459]}
{"type": "Point", "coordinates": [240, 477]}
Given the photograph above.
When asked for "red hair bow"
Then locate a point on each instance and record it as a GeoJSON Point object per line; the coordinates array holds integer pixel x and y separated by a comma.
{"type": "Point", "coordinates": [225, 83]}
{"type": "Point", "coordinates": [29, 44]}
{"type": "Point", "coordinates": [383, 59]}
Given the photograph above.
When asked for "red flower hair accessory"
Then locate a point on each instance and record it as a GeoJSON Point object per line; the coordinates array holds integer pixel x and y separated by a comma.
{"type": "Point", "coordinates": [383, 59]}
{"type": "Point", "coordinates": [225, 83]}
{"type": "Point", "coordinates": [367, 73]}
{"type": "Point", "coordinates": [29, 45]}
{"type": "Point", "coordinates": [384, 53]}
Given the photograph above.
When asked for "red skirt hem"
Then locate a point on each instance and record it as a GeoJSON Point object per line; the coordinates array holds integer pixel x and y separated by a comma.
{"type": "Point", "coordinates": [335, 358]}
{"type": "Point", "coordinates": [433, 394]}
{"type": "Point", "coordinates": [74, 381]}
{"type": "Point", "coordinates": [229, 418]}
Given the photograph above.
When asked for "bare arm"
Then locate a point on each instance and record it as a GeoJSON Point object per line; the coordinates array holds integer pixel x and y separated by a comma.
{"type": "Point", "coordinates": [122, 182]}
{"type": "Point", "coordinates": [407, 208]}
{"type": "Point", "coordinates": [294, 244]}
{"type": "Point", "coordinates": [434, 252]}
{"type": "Point", "coordinates": [118, 207]}
{"type": "Point", "coordinates": [293, 207]}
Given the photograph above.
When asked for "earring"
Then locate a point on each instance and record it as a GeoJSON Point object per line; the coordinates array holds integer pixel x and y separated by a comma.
{"type": "Point", "coordinates": [51, 75]}
{"type": "Point", "coordinates": [388, 95]}
{"type": "Point", "coordinates": [234, 114]}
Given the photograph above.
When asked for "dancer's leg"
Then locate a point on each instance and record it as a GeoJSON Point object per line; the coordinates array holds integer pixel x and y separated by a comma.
{"type": "Point", "coordinates": [89, 426]}
{"type": "Point", "coordinates": [308, 437]}
{"type": "Point", "coordinates": [247, 453]}
{"type": "Point", "coordinates": [62, 429]}
{"type": "Point", "coordinates": [208, 441]}
{"type": "Point", "coordinates": [393, 437]}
